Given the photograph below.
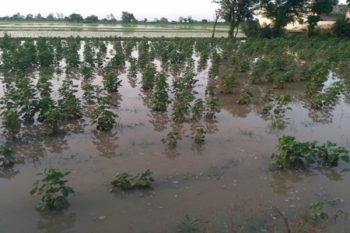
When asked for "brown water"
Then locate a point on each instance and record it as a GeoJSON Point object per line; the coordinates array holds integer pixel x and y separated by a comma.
{"type": "Point", "coordinates": [227, 181]}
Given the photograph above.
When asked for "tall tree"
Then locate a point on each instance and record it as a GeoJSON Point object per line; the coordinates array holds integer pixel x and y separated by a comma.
{"type": "Point", "coordinates": [128, 17]}
{"type": "Point", "coordinates": [236, 12]}
{"type": "Point", "coordinates": [318, 7]}
{"type": "Point", "coordinates": [75, 18]}
{"type": "Point", "coordinates": [91, 19]}
{"type": "Point", "coordinates": [283, 12]}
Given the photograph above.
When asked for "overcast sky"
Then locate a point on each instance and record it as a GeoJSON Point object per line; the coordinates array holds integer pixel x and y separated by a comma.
{"type": "Point", "coordinates": [172, 9]}
{"type": "Point", "coordinates": [150, 9]}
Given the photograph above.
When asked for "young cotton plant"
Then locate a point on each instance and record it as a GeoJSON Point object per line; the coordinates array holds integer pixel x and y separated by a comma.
{"type": "Point", "coordinates": [199, 135]}
{"type": "Point", "coordinates": [53, 190]}
{"type": "Point", "coordinates": [171, 139]}
{"type": "Point", "coordinates": [292, 154]}
{"type": "Point", "coordinates": [125, 181]}
{"type": "Point", "coordinates": [6, 156]}
{"type": "Point", "coordinates": [160, 97]}
{"type": "Point", "coordinates": [102, 116]}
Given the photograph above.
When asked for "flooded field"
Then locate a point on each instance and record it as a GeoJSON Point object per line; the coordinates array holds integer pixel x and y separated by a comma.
{"type": "Point", "coordinates": [64, 30]}
{"type": "Point", "coordinates": [227, 183]}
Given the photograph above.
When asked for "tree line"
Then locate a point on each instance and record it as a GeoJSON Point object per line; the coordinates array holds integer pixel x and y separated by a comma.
{"type": "Point", "coordinates": [126, 17]}
{"type": "Point", "coordinates": [279, 12]}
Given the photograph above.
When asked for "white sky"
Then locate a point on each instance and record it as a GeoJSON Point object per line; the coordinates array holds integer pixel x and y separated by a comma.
{"type": "Point", "coordinates": [172, 9]}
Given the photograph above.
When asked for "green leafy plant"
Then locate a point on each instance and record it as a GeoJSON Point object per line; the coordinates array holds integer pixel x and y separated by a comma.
{"type": "Point", "coordinates": [6, 156]}
{"type": "Point", "coordinates": [144, 179]}
{"type": "Point", "coordinates": [53, 118]}
{"type": "Point", "coordinates": [26, 99]}
{"type": "Point", "coordinates": [227, 83]}
{"type": "Point", "coordinates": [160, 98]}
{"type": "Point", "coordinates": [315, 212]}
{"type": "Point", "coordinates": [86, 70]}
{"type": "Point", "coordinates": [104, 118]}
{"type": "Point", "coordinates": [45, 52]}
{"type": "Point", "coordinates": [245, 97]}
{"type": "Point", "coordinates": [53, 190]}
{"type": "Point", "coordinates": [198, 109]}
{"type": "Point", "coordinates": [171, 139]}
{"type": "Point", "coordinates": [189, 224]}
{"type": "Point", "coordinates": [11, 122]}
{"type": "Point", "coordinates": [199, 136]}
{"type": "Point", "coordinates": [111, 81]}
{"type": "Point", "coordinates": [148, 77]}
{"type": "Point", "coordinates": [125, 181]}
{"type": "Point", "coordinates": [44, 85]}
{"type": "Point", "coordinates": [292, 154]}
{"type": "Point", "coordinates": [212, 107]}
{"type": "Point", "coordinates": [122, 181]}
{"type": "Point", "coordinates": [68, 102]}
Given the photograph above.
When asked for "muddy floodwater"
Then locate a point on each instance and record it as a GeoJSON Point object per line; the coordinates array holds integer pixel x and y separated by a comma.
{"type": "Point", "coordinates": [227, 182]}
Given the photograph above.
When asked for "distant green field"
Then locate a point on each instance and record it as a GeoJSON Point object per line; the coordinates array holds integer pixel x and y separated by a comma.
{"type": "Point", "coordinates": [64, 29]}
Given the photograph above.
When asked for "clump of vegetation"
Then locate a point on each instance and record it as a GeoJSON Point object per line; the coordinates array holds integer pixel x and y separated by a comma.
{"type": "Point", "coordinates": [328, 97]}
{"type": "Point", "coordinates": [148, 77]}
{"type": "Point", "coordinates": [89, 53]}
{"type": "Point", "coordinates": [86, 70]}
{"type": "Point", "coordinates": [53, 190]}
{"type": "Point", "coordinates": [68, 102]}
{"type": "Point", "coordinates": [315, 212]}
{"type": "Point", "coordinates": [245, 97]}
{"type": "Point", "coordinates": [132, 72]}
{"type": "Point", "coordinates": [102, 116]}
{"type": "Point", "coordinates": [111, 81]}
{"type": "Point", "coordinates": [45, 53]}
{"type": "Point", "coordinates": [44, 86]}
{"type": "Point", "coordinates": [171, 139]}
{"type": "Point", "coordinates": [293, 155]}
{"type": "Point", "coordinates": [71, 48]}
{"type": "Point", "coordinates": [125, 181]}
{"type": "Point", "coordinates": [198, 109]}
{"type": "Point", "coordinates": [160, 98]}
{"type": "Point", "coordinates": [199, 135]}
{"type": "Point", "coordinates": [212, 107]}
{"type": "Point", "coordinates": [189, 224]}
{"type": "Point", "coordinates": [89, 94]}
{"type": "Point", "coordinates": [6, 156]}
{"type": "Point", "coordinates": [53, 118]}
{"type": "Point", "coordinates": [308, 221]}
{"type": "Point", "coordinates": [11, 122]}
{"type": "Point", "coordinates": [227, 83]}
{"type": "Point", "coordinates": [184, 95]}
{"type": "Point", "coordinates": [341, 27]}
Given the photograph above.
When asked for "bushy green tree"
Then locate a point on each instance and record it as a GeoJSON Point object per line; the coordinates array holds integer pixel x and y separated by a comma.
{"type": "Point", "coordinates": [236, 12]}
{"type": "Point", "coordinates": [283, 12]}
{"type": "Point", "coordinates": [318, 7]}
{"type": "Point", "coordinates": [128, 17]}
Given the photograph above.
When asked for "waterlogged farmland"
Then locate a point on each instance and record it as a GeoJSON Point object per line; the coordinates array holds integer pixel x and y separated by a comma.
{"type": "Point", "coordinates": [176, 135]}
{"type": "Point", "coordinates": [64, 30]}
